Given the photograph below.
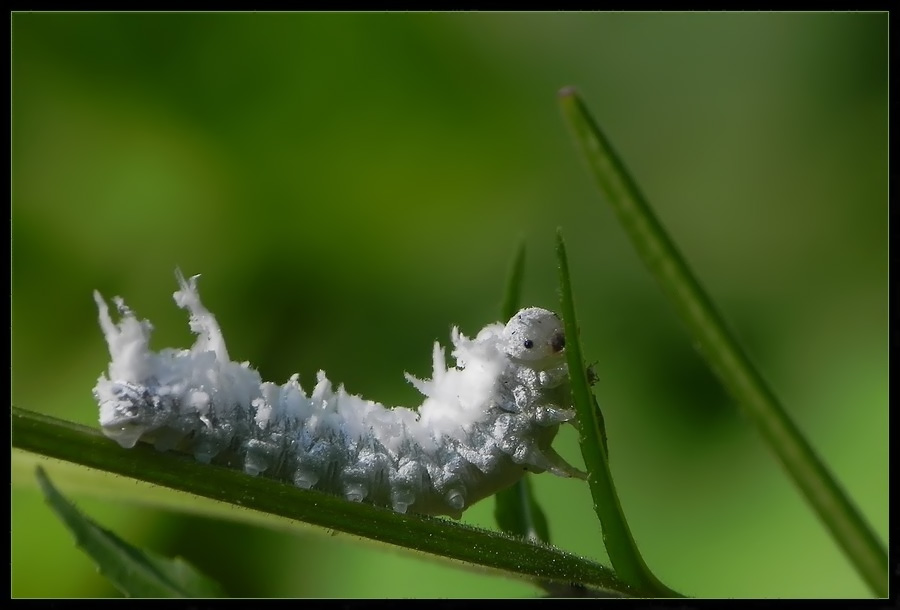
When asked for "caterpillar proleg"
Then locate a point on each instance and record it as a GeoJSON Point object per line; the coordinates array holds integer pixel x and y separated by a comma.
{"type": "Point", "coordinates": [482, 425]}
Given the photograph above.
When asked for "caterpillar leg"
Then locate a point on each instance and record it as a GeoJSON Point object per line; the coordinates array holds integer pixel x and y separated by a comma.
{"type": "Point", "coordinates": [560, 467]}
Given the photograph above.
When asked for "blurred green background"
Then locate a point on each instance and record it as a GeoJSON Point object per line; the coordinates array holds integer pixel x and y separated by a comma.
{"type": "Point", "coordinates": [351, 185]}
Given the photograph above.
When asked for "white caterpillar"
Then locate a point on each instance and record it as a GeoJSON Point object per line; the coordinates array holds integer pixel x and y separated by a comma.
{"type": "Point", "coordinates": [483, 423]}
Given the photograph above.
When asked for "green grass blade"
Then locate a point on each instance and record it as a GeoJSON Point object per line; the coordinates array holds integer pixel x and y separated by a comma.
{"type": "Point", "coordinates": [620, 545]}
{"type": "Point", "coordinates": [512, 297]}
{"type": "Point", "coordinates": [134, 572]}
{"type": "Point", "coordinates": [722, 352]}
{"type": "Point", "coordinates": [516, 510]}
{"type": "Point", "coordinates": [518, 513]}
{"type": "Point", "coordinates": [71, 442]}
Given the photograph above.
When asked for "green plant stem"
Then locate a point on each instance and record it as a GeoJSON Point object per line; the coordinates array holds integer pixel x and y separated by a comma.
{"type": "Point", "coordinates": [71, 442]}
{"type": "Point", "coordinates": [722, 351]}
{"type": "Point", "coordinates": [515, 508]}
{"type": "Point", "coordinates": [620, 544]}
{"type": "Point", "coordinates": [512, 296]}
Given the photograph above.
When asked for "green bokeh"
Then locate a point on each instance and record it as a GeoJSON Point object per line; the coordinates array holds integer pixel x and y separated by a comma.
{"type": "Point", "coordinates": [352, 185]}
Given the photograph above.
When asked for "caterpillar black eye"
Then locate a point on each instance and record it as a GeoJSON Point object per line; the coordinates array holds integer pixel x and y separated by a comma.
{"type": "Point", "coordinates": [528, 344]}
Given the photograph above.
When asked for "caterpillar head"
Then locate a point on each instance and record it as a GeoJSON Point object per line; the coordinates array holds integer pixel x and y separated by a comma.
{"type": "Point", "coordinates": [534, 335]}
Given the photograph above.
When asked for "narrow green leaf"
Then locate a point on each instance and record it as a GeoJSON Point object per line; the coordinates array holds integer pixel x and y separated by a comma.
{"type": "Point", "coordinates": [601, 425]}
{"type": "Point", "coordinates": [620, 544]}
{"type": "Point", "coordinates": [134, 572]}
{"type": "Point", "coordinates": [81, 445]}
{"type": "Point", "coordinates": [516, 510]}
{"type": "Point", "coordinates": [518, 513]}
{"type": "Point", "coordinates": [512, 297]}
{"type": "Point", "coordinates": [722, 351]}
